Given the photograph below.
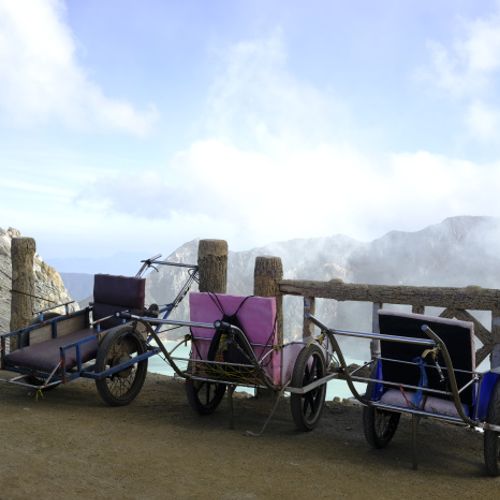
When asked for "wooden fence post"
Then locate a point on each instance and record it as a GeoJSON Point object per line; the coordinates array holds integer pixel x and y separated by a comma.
{"type": "Point", "coordinates": [212, 265]}
{"type": "Point", "coordinates": [268, 272]}
{"type": "Point", "coordinates": [23, 284]}
{"type": "Point", "coordinates": [309, 308]}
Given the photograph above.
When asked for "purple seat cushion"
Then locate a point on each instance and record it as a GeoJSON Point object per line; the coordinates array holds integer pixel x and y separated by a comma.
{"type": "Point", "coordinates": [114, 294]}
{"type": "Point", "coordinates": [46, 355]}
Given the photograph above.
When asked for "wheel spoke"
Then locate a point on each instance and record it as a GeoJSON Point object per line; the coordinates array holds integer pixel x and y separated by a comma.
{"type": "Point", "coordinates": [307, 403]}
{"type": "Point", "coordinates": [207, 394]}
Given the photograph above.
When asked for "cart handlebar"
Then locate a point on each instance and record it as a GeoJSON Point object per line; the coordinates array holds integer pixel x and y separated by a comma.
{"type": "Point", "coordinates": [155, 257]}
{"type": "Point", "coordinates": [154, 261]}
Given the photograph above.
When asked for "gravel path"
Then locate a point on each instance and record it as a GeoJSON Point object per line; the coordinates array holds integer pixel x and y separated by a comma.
{"type": "Point", "coordinates": [70, 445]}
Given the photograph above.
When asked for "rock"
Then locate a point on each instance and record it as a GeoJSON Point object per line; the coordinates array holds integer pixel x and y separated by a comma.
{"type": "Point", "coordinates": [48, 282]}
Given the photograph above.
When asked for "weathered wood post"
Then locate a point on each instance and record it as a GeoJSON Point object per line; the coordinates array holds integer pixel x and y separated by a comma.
{"type": "Point", "coordinates": [417, 309]}
{"type": "Point", "coordinates": [212, 265]}
{"type": "Point", "coordinates": [309, 308]}
{"type": "Point", "coordinates": [268, 272]}
{"type": "Point", "coordinates": [23, 284]}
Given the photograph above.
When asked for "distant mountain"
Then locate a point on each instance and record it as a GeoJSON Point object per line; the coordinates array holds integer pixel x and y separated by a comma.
{"type": "Point", "coordinates": [459, 251]}
{"type": "Point", "coordinates": [79, 285]}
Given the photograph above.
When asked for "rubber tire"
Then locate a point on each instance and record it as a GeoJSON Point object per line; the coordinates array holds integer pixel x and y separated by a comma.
{"type": "Point", "coordinates": [492, 438]}
{"type": "Point", "coordinates": [375, 438]}
{"type": "Point", "coordinates": [298, 401]}
{"type": "Point", "coordinates": [111, 338]}
{"type": "Point", "coordinates": [193, 389]}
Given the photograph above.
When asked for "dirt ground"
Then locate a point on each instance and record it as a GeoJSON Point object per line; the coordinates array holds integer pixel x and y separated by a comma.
{"type": "Point", "coordinates": [71, 445]}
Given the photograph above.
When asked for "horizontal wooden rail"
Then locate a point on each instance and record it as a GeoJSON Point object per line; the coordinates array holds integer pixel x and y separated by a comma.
{"type": "Point", "coordinates": [471, 297]}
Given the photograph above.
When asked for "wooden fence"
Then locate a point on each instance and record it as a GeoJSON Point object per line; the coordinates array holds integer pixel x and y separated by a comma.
{"type": "Point", "coordinates": [268, 281]}
{"type": "Point", "coordinates": [456, 302]}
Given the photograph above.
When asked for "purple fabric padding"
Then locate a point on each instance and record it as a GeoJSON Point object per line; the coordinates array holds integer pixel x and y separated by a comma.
{"type": "Point", "coordinates": [46, 355]}
{"type": "Point", "coordinates": [432, 404]}
{"type": "Point", "coordinates": [257, 317]}
{"type": "Point", "coordinates": [119, 291]}
{"type": "Point", "coordinates": [290, 353]}
{"type": "Point", "coordinates": [114, 294]}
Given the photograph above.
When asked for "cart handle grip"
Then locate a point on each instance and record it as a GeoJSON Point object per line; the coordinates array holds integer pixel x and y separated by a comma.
{"type": "Point", "coordinates": [157, 256]}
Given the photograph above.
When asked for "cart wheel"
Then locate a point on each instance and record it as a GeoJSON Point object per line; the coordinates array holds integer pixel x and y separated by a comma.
{"type": "Point", "coordinates": [306, 408]}
{"type": "Point", "coordinates": [379, 426]}
{"type": "Point", "coordinates": [492, 438]}
{"type": "Point", "coordinates": [202, 396]}
{"type": "Point", "coordinates": [118, 346]}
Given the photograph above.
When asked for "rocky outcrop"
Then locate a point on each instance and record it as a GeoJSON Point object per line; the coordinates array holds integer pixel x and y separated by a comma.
{"type": "Point", "coordinates": [49, 287]}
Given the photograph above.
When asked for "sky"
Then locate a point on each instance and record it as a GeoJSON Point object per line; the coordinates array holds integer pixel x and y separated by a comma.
{"type": "Point", "coordinates": [133, 127]}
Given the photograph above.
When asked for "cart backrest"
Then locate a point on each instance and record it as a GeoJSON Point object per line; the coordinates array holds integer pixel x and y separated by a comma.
{"type": "Point", "coordinates": [458, 337]}
{"type": "Point", "coordinates": [113, 294]}
{"type": "Point", "coordinates": [256, 315]}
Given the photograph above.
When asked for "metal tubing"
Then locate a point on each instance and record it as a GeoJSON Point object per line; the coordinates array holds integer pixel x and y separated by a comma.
{"type": "Point", "coordinates": [489, 427]}
{"type": "Point", "coordinates": [25, 384]}
{"type": "Point", "coordinates": [313, 385]}
{"type": "Point", "coordinates": [451, 374]}
{"type": "Point", "coordinates": [218, 363]}
{"type": "Point", "coordinates": [422, 413]}
{"type": "Point", "coordinates": [227, 382]}
{"type": "Point", "coordinates": [121, 366]}
{"type": "Point", "coordinates": [426, 365]}
{"type": "Point", "coordinates": [377, 336]}
{"type": "Point", "coordinates": [173, 322]}
{"type": "Point", "coordinates": [357, 378]}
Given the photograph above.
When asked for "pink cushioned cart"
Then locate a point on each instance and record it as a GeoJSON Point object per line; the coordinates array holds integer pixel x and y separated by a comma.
{"type": "Point", "coordinates": [234, 342]}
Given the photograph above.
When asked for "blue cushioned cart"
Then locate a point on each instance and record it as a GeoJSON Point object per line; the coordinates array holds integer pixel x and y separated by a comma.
{"type": "Point", "coordinates": [425, 368]}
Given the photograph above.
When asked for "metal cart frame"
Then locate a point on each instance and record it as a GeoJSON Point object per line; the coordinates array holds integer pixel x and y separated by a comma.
{"type": "Point", "coordinates": [119, 377]}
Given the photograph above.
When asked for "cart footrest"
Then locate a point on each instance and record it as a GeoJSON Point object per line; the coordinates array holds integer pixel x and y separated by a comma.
{"type": "Point", "coordinates": [432, 404]}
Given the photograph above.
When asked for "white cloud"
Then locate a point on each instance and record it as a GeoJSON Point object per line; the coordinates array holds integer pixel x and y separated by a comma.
{"type": "Point", "coordinates": [41, 79]}
{"type": "Point", "coordinates": [483, 121]}
{"type": "Point", "coordinates": [257, 102]}
{"type": "Point", "coordinates": [468, 71]}
{"type": "Point", "coordinates": [264, 170]}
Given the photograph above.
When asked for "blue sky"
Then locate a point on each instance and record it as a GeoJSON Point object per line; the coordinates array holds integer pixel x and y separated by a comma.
{"type": "Point", "coordinates": [132, 126]}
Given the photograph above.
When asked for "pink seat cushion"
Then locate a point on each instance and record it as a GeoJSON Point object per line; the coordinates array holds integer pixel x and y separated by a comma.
{"type": "Point", "coordinates": [257, 317]}
{"type": "Point", "coordinates": [432, 404]}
